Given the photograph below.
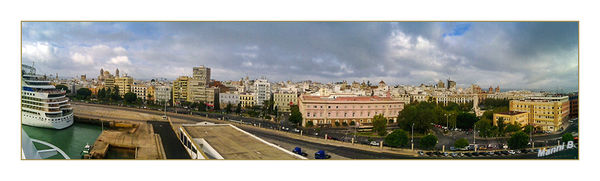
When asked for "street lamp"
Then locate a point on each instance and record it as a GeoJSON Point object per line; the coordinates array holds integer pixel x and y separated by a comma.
{"type": "Point", "coordinates": [412, 135]}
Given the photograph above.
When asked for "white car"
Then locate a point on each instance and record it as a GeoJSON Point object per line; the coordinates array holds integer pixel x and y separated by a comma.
{"type": "Point", "coordinates": [374, 143]}
{"type": "Point", "coordinates": [512, 152]}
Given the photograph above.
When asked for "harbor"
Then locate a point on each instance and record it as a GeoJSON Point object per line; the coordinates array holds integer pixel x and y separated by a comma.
{"type": "Point", "coordinates": [71, 140]}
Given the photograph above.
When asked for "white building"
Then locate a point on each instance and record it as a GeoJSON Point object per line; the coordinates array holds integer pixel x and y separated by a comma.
{"type": "Point", "coordinates": [263, 90]}
{"type": "Point", "coordinates": [140, 91]}
{"type": "Point", "coordinates": [162, 94]}
{"type": "Point", "coordinates": [229, 98]}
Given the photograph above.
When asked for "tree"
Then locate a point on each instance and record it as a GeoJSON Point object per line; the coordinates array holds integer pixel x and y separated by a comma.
{"type": "Point", "coordinates": [421, 114]}
{"type": "Point", "coordinates": [465, 120]}
{"type": "Point", "coordinates": [352, 123]}
{"type": "Point", "coordinates": [528, 129]}
{"type": "Point", "coordinates": [130, 97]}
{"type": "Point", "coordinates": [337, 123]}
{"type": "Point", "coordinates": [238, 109]}
{"type": "Point", "coordinates": [518, 140]}
{"type": "Point", "coordinates": [296, 116]}
{"type": "Point", "coordinates": [398, 138]}
{"type": "Point", "coordinates": [309, 124]}
{"type": "Point", "coordinates": [484, 126]}
{"type": "Point", "coordinates": [379, 125]}
{"type": "Point", "coordinates": [501, 126]}
{"type": "Point", "coordinates": [201, 106]}
{"type": "Point", "coordinates": [428, 142]}
{"type": "Point", "coordinates": [461, 143]}
{"type": "Point", "coordinates": [63, 87]}
{"type": "Point", "coordinates": [115, 94]}
{"type": "Point", "coordinates": [228, 108]}
{"type": "Point", "coordinates": [101, 93]}
{"type": "Point", "coordinates": [512, 128]}
{"type": "Point", "coordinates": [83, 93]}
{"type": "Point", "coordinates": [567, 137]}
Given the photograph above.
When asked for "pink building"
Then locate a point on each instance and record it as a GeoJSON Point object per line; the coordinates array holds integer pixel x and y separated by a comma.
{"type": "Point", "coordinates": [327, 110]}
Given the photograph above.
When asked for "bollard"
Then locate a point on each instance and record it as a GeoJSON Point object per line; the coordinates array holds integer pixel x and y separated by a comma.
{"type": "Point", "coordinates": [325, 136]}
{"type": "Point", "coordinates": [300, 132]}
{"type": "Point", "coordinates": [412, 146]}
{"type": "Point", "coordinates": [352, 140]}
{"type": "Point", "coordinates": [381, 144]}
{"type": "Point", "coordinates": [443, 148]}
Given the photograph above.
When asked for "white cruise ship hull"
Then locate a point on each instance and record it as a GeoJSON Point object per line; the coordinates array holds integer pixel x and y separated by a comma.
{"type": "Point", "coordinates": [45, 122]}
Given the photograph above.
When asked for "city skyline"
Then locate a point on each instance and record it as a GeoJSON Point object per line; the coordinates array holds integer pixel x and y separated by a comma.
{"type": "Point", "coordinates": [528, 55]}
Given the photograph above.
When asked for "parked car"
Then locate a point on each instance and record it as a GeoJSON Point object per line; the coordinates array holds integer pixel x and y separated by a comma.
{"type": "Point", "coordinates": [374, 143]}
{"type": "Point", "coordinates": [298, 151]}
{"type": "Point", "coordinates": [445, 154]}
{"type": "Point", "coordinates": [296, 130]}
{"type": "Point", "coordinates": [512, 152]}
{"type": "Point", "coordinates": [429, 153]}
{"type": "Point", "coordinates": [420, 153]}
{"type": "Point", "coordinates": [454, 154]}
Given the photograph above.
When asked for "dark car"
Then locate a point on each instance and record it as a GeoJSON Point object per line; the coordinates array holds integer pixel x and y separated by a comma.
{"type": "Point", "coordinates": [429, 153]}
{"type": "Point", "coordinates": [475, 154]}
{"type": "Point", "coordinates": [468, 154]}
{"type": "Point", "coordinates": [504, 152]}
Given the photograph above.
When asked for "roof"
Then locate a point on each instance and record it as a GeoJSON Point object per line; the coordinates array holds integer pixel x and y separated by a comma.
{"type": "Point", "coordinates": [233, 143]}
{"type": "Point", "coordinates": [511, 113]}
{"type": "Point", "coordinates": [348, 99]}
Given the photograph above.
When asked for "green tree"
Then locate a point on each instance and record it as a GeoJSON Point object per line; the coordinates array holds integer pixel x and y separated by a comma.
{"type": "Point", "coordinates": [421, 114]}
{"type": "Point", "coordinates": [510, 128]}
{"type": "Point", "coordinates": [63, 87]}
{"type": "Point", "coordinates": [567, 137]}
{"type": "Point", "coordinates": [337, 123]}
{"type": "Point", "coordinates": [228, 108]}
{"type": "Point", "coordinates": [484, 126]}
{"type": "Point", "coordinates": [466, 120]}
{"type": "Point", "coordinates": [309, 124]}
{"type": "Point", "coordinates": [115, 94]}
{"type": "Point", "coordinates": [379, 125]}
{"type": "Point", "coordinates": [398, 138]}
{"type": "Point", "coordinates": [501, 126]}
{"type": "Point", "coordinates": [201, 106]}
{"type": "Point", "coordinates": [352, 123]}
{"type": "Point", "coordinates": [461, 143]}
{"type": "Point", "coordinates": [528, 129]}
{"type": "Point", "coordinates": [101, 93]}
{"type": "Point", "coordinates": [428, 142]}
{"type": "Point", "coordinates": [238, 109]}
{"type": "Point", "coordinates": [296, 116]}
{"type": "Point", "coordinates": [518, 140]}
{"type": "Point", "coordinates": [130, 97]}
{"type": "Point", "coordinates": [84, 93]}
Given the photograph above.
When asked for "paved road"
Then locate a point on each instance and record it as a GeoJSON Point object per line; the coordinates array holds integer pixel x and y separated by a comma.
{"type": "Point", "coordinates": [173, 148]}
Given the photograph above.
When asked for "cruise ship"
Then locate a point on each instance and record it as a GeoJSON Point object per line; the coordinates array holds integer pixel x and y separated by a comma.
{"type": "Point", "coordinates": [42, 105]}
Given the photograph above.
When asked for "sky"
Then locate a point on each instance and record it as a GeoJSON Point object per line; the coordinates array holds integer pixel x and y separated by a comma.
{"type": "Point", "coordinates": [515, 55]}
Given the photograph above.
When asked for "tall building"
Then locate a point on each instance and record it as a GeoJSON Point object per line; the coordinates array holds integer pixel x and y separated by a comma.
{"type": "Point", "coordinates": [549, 113]}
{"type": "Point", "coordinates": [263, 91]}
{"type": "Point", "coordinates": [202, 74]}
{"type": "Point", "coordinates": [327, 110]}
{"type": "Point", "coordinates": [162, 94]}
{"type": "Point", "coordinates": [180, 89]}
{"type": "Point", "coordinates": [440, 84]}
{"type": "Point", "coordinates": [125, 83]}
{"type": "Point", "coordinates": [451, 84]}
{"type": "Point", "coordinates": [83, 77]}
{"type": "Point", "coordinates": [109, 82]}
{"type": "Point", "coordinates": [229, 98]}
{"type": "Point", "coordinates": [498, 89]}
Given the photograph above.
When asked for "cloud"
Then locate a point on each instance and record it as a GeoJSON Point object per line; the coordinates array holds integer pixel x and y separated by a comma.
{"type": "Point", "coordinates": [509, 54]}
{"type": "Point", "coordinates": [38, 51]}
{"type": "Point", "coordinates": [82, 59]}
{"type": "Point", "coordinates": [120, 60]}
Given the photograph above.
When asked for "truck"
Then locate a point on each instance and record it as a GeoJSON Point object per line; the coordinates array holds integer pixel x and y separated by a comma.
{"type": "Point", "coordinates": [298, 151]}
{"type": "Point", "coordinates": [321, 155]}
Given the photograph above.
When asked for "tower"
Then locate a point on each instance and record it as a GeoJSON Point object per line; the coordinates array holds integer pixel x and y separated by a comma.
{"type": "Point", "coordinates": [117, 72]}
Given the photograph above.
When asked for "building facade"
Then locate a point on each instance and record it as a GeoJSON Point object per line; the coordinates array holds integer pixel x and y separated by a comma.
{"type": "Point", "coordinates": [326, 111]}
{"type": "Point", "coordinates": [180, 89]}
{"type": "Point", "coordinates": [263, 91]}
{"type": "Point", "coordinates": [162, 94]}
{"type": "Point", "coordinates": [247, 100]}
{"type": "Point", "coordinates": [283, 100]}
{"type": "Point", "coordinates": [549, 113]}
{"type": "Point", "coordinates": [125, 83]}
{"type": "Point", "coordinates": [229, 98]}
{"type": "Point", "coordinates": [511, 117]}
{"type": "Point", "coordinates": [574, 105]}
{"type": "Point", "coordinates": [140, 91]}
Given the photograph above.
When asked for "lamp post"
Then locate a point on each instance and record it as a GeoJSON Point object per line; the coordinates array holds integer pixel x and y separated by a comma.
{"type": "Point", "coordinates": [412, 135]}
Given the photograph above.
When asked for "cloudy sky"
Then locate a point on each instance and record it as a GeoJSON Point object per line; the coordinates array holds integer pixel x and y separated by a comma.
{"type": "Point", "coordinates": [513, 55]}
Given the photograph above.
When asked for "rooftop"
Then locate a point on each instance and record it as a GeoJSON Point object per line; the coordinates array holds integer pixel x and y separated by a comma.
{"type": "Point", "coordinates": [511, 113]}
{"type": "Point", "coordinates": [234, 144]}
{"type": "Point", "coordinates": [346, 98]}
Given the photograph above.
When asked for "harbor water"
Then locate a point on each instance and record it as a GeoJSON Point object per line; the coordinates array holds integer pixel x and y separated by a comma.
{"type": "Point", "coordinates": [71, 140]}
